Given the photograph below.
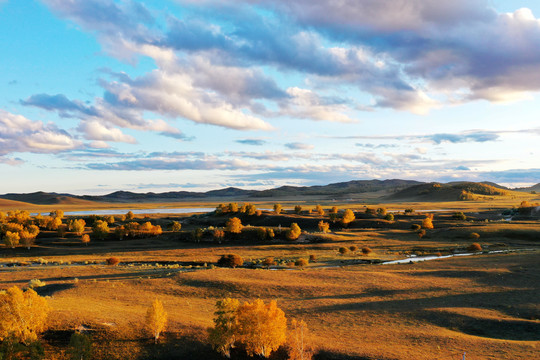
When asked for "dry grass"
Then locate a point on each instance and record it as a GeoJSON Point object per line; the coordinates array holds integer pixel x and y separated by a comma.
{"type": "Point", "coordinates": [485, 305]}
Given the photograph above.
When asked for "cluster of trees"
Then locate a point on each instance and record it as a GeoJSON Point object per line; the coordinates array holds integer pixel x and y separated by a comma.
{"type": "Point", "coordinates": [17, 227]}
{"type": "Point", "coordinates": [258, 328]}
{"type": "Point", "coordinates": [246, 208]}
{"type": "Point", "coordinates": [134, 229]}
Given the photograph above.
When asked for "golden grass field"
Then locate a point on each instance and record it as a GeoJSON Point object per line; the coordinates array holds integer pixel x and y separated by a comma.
{"type": "Point", "coordinates": [484, 305]}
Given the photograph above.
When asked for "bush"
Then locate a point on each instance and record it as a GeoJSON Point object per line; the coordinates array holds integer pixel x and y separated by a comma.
{"type": "Point", "coordinates": [85, 239]}
{"type": "Point", "coordinates": [234, 225]}
{"type": "Point", "coordinates": [301, 262]}
{"type": "Point", "coordinates": [366, 250]}
{"type": "Point", "coordinates": [474, 247]}
{"type": "Point", "coordinates": [459, 215]}
{"type": "Point", "coordinates": [176, 226]}
{"type": "Point", "coordinates": [343, 250]}
{"type": "Point", "coordinates": [230, 260]}
{"type": "Point", "coordinates": [34, 283]}
{"type": "Point", "coordinates": [389, 217]}
{"type": "Point", "coordinates": [298, 209]}
{"type": "Point", "coordinates": [80, 346]}
{"type": "Point", "coordinates": [323, 226]}
{"type": "Point", "coordinates": [474, 236]}
{"type": "Point", "coordinates": [312, 258]}
{"type": "Point", "coordinates": [348, 216]}
{"type": "Point", "coordinates": [269, 261]}
{"type": "Point", "coordinates": [353, 248]}
{"type": "Point", "coordinates": [421, 233]}
{"type": "Point", "coordinates": [427, 223]}
{"type": "Point", "coordinates": [112, 261]}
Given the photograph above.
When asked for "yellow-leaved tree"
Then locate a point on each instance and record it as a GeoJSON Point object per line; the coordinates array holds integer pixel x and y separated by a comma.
{"type": "Point", "coordinates": [294, 232]}
{"type": "Point", "coordinates": [23, 314]}
{"type": "Point", "coordinates": [348, 216]}
{"type": "Point", "coordinates": [297, 341]}
{"type": "Point", "coordinates": [222, 336]}
{"type": "Point", "coordinates": [427, 223]}
{"type": "Point", "coordinates": [156, 319]}
{"type": "Point", "coordinates": [277, 209]}
{"type": "Point", "coordinates": [261, 327]}
{"type": "Point", "coordinates": [234, 225]}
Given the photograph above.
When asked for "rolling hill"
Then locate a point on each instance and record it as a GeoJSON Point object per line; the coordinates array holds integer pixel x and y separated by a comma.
{"type": "Point", "coordinates": [386, 190]}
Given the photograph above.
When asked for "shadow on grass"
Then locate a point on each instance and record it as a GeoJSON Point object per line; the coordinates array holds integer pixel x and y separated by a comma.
{"type": "Point", "coordinates": [519, 330]}
{"type": "Point", "coordinates": [49, 290]}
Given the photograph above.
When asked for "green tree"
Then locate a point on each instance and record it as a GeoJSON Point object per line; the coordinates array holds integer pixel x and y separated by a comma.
{"type": "Point", "coordinates": [80, 346]}
{"type": "Point", "coordinates": [223, 335]}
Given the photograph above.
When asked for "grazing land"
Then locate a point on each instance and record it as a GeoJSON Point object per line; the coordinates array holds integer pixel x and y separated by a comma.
{"type": "Point", "coordinates": [356, 303]}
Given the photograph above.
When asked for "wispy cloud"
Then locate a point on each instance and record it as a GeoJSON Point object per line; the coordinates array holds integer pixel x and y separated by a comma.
{"type": "Point", "coordinates": [299, 146]}
{"type": "Point", "coordinates": [255, 142]}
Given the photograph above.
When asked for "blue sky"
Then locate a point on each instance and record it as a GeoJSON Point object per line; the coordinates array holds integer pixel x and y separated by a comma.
{"type": "Point", "coordinates": [104, 95]}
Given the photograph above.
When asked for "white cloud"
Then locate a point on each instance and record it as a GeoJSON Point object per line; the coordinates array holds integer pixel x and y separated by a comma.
{"type": "Point", "coordinates": [19, 134]}
{"type": "Point", "coordinates": [94, 130]}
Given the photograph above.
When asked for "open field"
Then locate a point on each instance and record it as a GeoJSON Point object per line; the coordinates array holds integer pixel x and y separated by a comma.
{"type": "Point", "coordinates": [485, 304]}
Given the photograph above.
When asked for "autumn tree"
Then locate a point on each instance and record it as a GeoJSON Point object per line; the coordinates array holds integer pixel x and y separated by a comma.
{"type": "Point", "coordinates": [24, 314]}
{"type": "Point", "coordinates": [28, 235]}
{"type": "Point", "coordinates": [232, 207]}
{"type": "Point", "coordinates": [319, 210]}
{"type": "Point", "coordinates": [77, 226]}
{"type": "Point", "coordinates": [234, 225]}
{"type": "Point", "coordinates": [57, 214]}
{"type": "Point", "coordinates": [251, 209]}
{"type": "Point", "coordinates": [277, 209]}
{"type": "Point", "coordinates": [427, 223]}
{"type": "Point", "coordinates": [18, 216]}
{"type": "Point", "coordinates": [381, 211]}
{"type": "Point", "coordinates": [298, 209]}
{"type": "Point", "coordinates": [230, 260]}
{"type": "Point", "coordinates": [323, 226]}
{"type": "Point", "coordinates": [223, 335]}
{"type": "Point", "coordinates": [176, 226]}
{"type": "Point", "coordinates": [52, 223]}
{"type": "Point", "coordinates": [261, 327]}
{"type": "Point", "coordinates": [389, 217]}
{"type": "Point", "coordinates": [100, 229]}
{"type": "Point", "coordinates": [297, 341]}
{"type": "Point", "coordinates": [218, 234]}
{"type": "Point", "coordinates": [85, 239]}
{"type": "Point", "coordinates": [334, 210]}
{"type": "Point", "coordinates": [11, 239]}
{"type": "Point", "coordinates": [348, 217]}
{"type": "Point", "coordinates": [294, 232]}
{"type": "Point", "coordinates": [130, 215]}
{"type": "Point", "coordinates": [156, 319]}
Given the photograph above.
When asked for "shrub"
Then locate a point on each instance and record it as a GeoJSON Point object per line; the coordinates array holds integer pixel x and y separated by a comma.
{"type": "Point", "coordinates": [230, 260]}
{"type": "Point", "coordinates": [301, 262]}
{"type": "Point", "coordinates": [312, 258]}
{"type": "Point", "coordinates": [277, 209]}
{"type": "Point", "coordinates": [474, 247]}
{"type": "Point", "coordinates": [112, 261]}
{"type": "Point", "coordinates": [459, 215]}
{"type": "Point", "coordinates": [353, 248]}
{"type": "Point", "coordinates": [298, 209]}
{"type": "Point", "coordinates": [408, 211]}
{"type": "Point", "coordinates": [319, 210]}
{"type": "Point", "coordinates": [197, 234]}
{"type": "Point", "coordinates": [366, 250]}
{"type": "Point", "coordinates": [269, 261]}
{"type": "Point", "coordinates": [343, 250]}
{"type": "Point", "coordinates": [421, 233]}
{"type": "Point", "coordinates": [261, 233]}
{"type": "Point", "coordinates": [381, 211]}
{"type": "Point", "coordinates": [389, 217]}
{"type": "Point", "coordinates": [130, 215]}
{"type": "Point", "coordinates": [474, 236]}
{"type": "Point", "coordinates": [370, 211]}
{"type": "Point", "coordinates": [334, 210]}
{"type": "Point", "coordinates": [34, 283]}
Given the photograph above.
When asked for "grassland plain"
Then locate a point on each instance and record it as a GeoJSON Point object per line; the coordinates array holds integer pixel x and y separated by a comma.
{"type": "Point", "coordinates": [484, 304]}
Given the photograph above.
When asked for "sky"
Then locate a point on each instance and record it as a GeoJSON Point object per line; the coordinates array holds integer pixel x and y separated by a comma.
{"type": "Point", "coordinates": [102, 95]}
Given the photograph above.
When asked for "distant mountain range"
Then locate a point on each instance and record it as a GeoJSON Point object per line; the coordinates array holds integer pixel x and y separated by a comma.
{"type": "Point", "coordinates": [394, 189]}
